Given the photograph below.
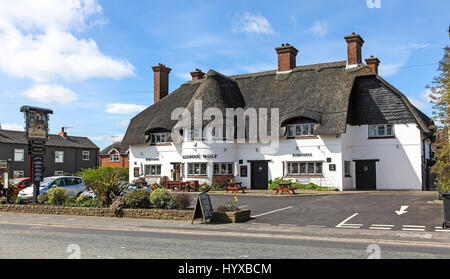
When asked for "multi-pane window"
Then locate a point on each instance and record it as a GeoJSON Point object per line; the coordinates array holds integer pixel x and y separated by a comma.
{"type": "Point", "coordinates": [59, 156]}
{"type": "Point", "coordinates": [86, 155]}
{"type": "Point", "coordinates": [19, 155]}
{"type": "Point", "coordinates": [114, 158]}
{"type": "Point", "coordinates": [300, 130]}
{"type": "Point", "coordinates": [156, 138]}
{"type": "Point", "coordinates": [59, 173]}
{"type": "Point", "coordinates": [347, 168]}
{"type": "Point", "coordinates": [152, 170]}
{"type": "Point", "coordinates": [382, 130]}
{"type": "Point", "coordinates": [197, 169]}
{"type": "Point", "coordinates": [223, 168]}
{"type": "Point", "coordinates": [304, 168]}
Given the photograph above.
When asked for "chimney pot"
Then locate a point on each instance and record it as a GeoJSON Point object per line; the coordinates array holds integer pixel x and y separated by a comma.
{"type": "Point", "coordinates": [373, 63]}
{"type": "Point", "coordinates": [354, 45]}
{"type": "Point", "coordinates": [161, 81]}
{"type": "Point", "coordinates": [286, 57]}
{"type": "Point", "coordinates": [63, 133]}
{"type": "Point", "coordinates": [197, 74]}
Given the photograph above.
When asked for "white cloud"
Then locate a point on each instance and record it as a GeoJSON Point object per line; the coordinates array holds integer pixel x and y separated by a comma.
{"type": "Point", "coordinates": [12, 126]}
{"type": "Point", "coordinates": [118, 108]}
{"type": "Point", "coordinates": [319, 28]}
{"type": "Point", "coordinates": [37, 36]}
{"type": "Point", "coordinates": [124, 123]}
{"type": "Point", "coordinates": [97, 138]}
{"type": "Point", "coordinates": [423, 102]}
{"type": "Point", "coordinates": [50, 93]}
{"type": "Point", "coordinates": [250, 23]}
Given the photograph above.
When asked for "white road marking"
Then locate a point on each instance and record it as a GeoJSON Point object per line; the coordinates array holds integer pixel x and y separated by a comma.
{"type": "Point", "coordinates": [342, 224]}
{"type": "Point", "coordinates": [315, 226]}
{"type": "Point", "coordinates": [349, 227]}
{"type": "Point", "coordinates": [243, 206]}
{"type": "Point", "coordinates": [442, 230]}
{"type": "Point", "coordinates": [376, 225]}
{"type": "Point", "coordinates": [413, 226]}
{"type": "Point", "coordinates": [402, 210]}
{"type": "Point", "coordinates": [380, 228]}
{"type": "Point", "coordinates": [262, 224]}
{"type": "Point", "coordinates": [288, 225]}
{"type": "Point", "coordinates": [270, 212]}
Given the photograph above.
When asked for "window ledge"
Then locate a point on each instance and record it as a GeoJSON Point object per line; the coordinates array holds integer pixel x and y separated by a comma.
{"type": "Point", "coordinates": [152, 176]}
{"type": "Point", "coordinates": [305, 176]}
{"type": "Point", "coordinates": [198, 176]}
{"type": "Point", "coordinates": [347, 175]}
{"type": "Point", "coordinates": [386, 137]}
{"type": "Point", "coordinates": [305, 137]}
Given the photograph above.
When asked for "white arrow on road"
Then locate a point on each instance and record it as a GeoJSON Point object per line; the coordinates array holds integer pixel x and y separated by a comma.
{"type": "Point", "coordinates": [402, 210]}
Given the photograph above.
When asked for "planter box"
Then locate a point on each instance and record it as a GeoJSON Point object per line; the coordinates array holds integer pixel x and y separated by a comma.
{"type": "Point", "coordinates": [232, 216]}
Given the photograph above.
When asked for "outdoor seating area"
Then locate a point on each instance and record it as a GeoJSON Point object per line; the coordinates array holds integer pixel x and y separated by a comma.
{"type": "Point", "coordinates": [235, 187]}
{"type": "Point", "coordinates": [180, 186]}
{"type": "Point", "coordinates": [285, 187]}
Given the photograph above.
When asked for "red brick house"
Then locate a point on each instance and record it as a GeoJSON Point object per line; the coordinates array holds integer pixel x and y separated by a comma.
{"type": "Point", "coordinates": [115, 155]}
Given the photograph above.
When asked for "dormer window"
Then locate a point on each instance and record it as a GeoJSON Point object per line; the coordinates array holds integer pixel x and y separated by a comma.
{"type": "Point", "coordinates": [300, 130]}
{"type": "Point", "coordinates": [158, 138]}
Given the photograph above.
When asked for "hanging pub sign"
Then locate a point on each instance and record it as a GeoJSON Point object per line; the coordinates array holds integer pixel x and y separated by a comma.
{"type": "Point", "coordinates": [203, 208]}
{"type": "Point", "coordinates": [36, 131]}
{"type": "Point", "coordinates": [36, 122]}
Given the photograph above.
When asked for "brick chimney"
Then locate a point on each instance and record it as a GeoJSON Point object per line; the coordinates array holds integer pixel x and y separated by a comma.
{"type": "Point", "coordinates": [286, 57]}
{"type": "Point", "coordinates": [373, 63]}
{"type": "Point", "coordinates": [197, 74]}
{"type": "Point", "coordinates": [161, 81]}
{"type": "Point", "coordinates": [63, 133]}
{"type": "Point", "coordinates": [354, 44]}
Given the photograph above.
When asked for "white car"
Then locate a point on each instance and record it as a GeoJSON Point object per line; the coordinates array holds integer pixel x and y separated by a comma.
{"type": "Point", "coordinates": [74, 185]}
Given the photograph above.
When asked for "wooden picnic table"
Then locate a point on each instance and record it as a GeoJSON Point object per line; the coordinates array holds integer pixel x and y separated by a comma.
{"type": "Point", "coordinates": [235, 187]}
{"type": "Point", "coordinates": [285, 188]}
{"type": "Point", "coordinates": [173, 185]}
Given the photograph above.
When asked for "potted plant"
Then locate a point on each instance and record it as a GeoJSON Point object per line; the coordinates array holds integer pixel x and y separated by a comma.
{"type": "Point", "coordinates": [205, 187]}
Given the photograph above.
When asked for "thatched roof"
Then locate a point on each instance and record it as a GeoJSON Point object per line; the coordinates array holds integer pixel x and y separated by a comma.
{"type": "Point", "coordinates": [320, 92]}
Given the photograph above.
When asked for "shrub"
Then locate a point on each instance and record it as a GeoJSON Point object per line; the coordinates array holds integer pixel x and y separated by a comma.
{"type": "Point", "coordinates": [107, 186]}
{"type": "Point", "coordinates": [221, 208]}
{"type": "Point", "coordinates": [117, 205]}
{"type": "Point", "coordinates": [161, 198]}
{"type": "Point", "coordinates": [57, 196]}
{"type": "Point", "coordinates": [10, 194]}
{"type": "Point", "coordinates": [83, 199]}
{"type": "Point", "coordinates": [219, 182]}
{"type": "Point", "coordinates": [138, 199]}
{"type": "Point", "coordinates": [19, 200]}
{"type": "Point", "coordinates": [183, 201]}
{"type": "Point", "coordinates": [92, 175]}
{"type": "Point", "coordinates": [42, 198]}
{"type": "Point", "coordinates": [70, 202]}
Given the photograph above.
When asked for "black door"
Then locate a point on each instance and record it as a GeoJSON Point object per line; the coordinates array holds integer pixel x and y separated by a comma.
{"type": "Point", "coordinates": [259, 175]}
{"type": "Point", "coordinates": [366, 178]}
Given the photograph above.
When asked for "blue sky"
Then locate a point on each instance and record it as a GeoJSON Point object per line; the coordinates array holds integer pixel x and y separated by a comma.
{"type": "Point", "coordinates": [90, 61]}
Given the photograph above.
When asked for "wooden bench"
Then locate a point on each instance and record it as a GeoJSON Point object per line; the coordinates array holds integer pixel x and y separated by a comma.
{"type": "Point", "coordinates": [234, 187]}
{"type": "Point", "coordinates": [173, 185]}
{"type": "Point", "coordinates": [284, 188]}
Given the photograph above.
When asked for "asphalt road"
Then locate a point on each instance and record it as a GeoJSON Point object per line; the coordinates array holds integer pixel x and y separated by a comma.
{"type": "Point", "coordinates": [330, 210]}
{"type": "Point", "coordinates": [23, 241]}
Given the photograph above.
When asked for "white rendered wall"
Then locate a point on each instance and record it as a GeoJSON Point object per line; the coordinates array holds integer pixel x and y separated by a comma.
{"type": "Point", "coordinates": [399, 166]}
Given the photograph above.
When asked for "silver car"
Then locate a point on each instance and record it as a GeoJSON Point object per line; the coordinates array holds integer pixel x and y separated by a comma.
{"type": "Point", "coordinates": [74, 185]}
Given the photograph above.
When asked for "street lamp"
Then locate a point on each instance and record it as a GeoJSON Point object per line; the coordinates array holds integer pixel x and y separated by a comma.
{"type": "Point", "coordinates": [36, 131]}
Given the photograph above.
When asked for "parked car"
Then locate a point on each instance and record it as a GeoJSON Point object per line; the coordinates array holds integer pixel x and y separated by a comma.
{"type": "Point", "coordinates": [74, 185]}
{"type": "Point", "coordinates": [130, 188]}
{"type": "Point", "coordinates": [20, 184]}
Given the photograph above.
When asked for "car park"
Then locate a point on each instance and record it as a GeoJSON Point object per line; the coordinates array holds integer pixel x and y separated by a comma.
{"type": "Point", "coordinates": [74, 185]}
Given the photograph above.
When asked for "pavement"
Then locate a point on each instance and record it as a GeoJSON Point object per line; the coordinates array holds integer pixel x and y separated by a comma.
{"type": "Point", "coordinates": [297, 226]}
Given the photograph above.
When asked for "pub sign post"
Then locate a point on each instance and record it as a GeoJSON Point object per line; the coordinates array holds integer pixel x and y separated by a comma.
{"type": "Point", "coordinates": [36, 131]}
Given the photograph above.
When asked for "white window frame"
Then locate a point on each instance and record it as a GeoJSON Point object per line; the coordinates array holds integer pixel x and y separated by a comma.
{"type": "Point", "coordinates": [347, 168]}
{"type": "Point", "coordinates": [22, 174]}
{"type": "Point", "coordinates": [59, 172]}
{"type": "Point", "coordinates": [114, 158]}
{"type": "Point", "coordinates": [374, 130]}
{"type": "Point", "coordinates": [192, 169]}
{"type": "Point", "coordinates": [20, 152]}
{"type": "Point", "coordinates": [61, 155]}
{"type": "Point", "coordinates": [158, 138]}
{"type": "Point", "coordinates": [300, 130]}
{"type": "Point", "coordinates": [86, 153]}
{"type": "Point", "coordinates": [152, 170]}
{"type": "Point", "coordinates": [297, 168]}
{"type": "Point", "coordinates": [224, 169]}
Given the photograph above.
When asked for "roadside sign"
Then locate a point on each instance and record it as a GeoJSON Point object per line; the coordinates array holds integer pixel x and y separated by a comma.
{"type": "Point", "coordinates": [3, 164]}
{"type": "Point", "coordinates": [203, 208]}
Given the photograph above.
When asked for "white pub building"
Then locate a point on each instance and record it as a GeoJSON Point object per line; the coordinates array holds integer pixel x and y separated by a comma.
{"type": "Point", "coordinates": [339, 125]}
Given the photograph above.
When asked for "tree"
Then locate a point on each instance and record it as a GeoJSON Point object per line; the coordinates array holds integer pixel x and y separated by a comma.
{"type": "Point", "coordinates": [440, 98]}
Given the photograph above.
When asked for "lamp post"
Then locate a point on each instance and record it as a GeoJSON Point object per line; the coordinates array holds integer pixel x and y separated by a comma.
{"type": "Point", "coordinates": [36, 131]}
